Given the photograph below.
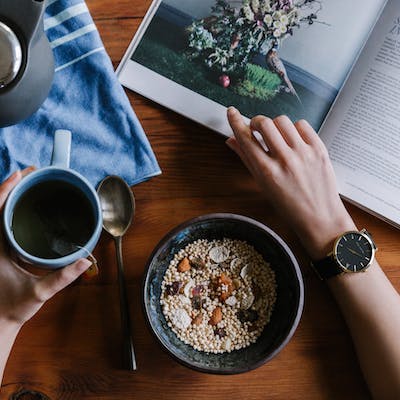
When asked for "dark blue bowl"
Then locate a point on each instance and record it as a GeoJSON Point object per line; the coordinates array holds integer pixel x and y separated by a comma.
{"type": "Point", "coordinates": [288, 307]}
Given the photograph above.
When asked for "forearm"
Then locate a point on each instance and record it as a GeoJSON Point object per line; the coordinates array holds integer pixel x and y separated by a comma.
{"type": "Point", "coordinates": [371, 308]}
{"type": "Point", "coordinates": [8, 333]}
{"type": "Point", "coordinates": [299, 179]}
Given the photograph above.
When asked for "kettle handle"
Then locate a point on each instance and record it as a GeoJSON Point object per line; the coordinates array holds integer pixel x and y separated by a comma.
{"type": "Point", "coordinates": [29, 22]}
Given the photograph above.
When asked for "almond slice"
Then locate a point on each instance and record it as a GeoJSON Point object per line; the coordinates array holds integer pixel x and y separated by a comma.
{"type": "Point", "coordinates": [219, 254]}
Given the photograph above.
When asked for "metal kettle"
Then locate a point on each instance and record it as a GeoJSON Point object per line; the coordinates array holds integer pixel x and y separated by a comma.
{"type": "Point", "coordinates": [26, 60]}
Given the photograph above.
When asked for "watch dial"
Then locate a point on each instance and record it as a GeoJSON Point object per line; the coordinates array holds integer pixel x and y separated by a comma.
{"type": "Point", "coordinates": [354, 252]}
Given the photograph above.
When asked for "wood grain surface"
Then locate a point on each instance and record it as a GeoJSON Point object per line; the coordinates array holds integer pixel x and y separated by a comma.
{"type": "Point", "coordinates": [71, 349]}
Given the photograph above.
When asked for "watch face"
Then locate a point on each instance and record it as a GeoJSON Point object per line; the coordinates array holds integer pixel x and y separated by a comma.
{"type": "Point", "coordinates": [354, 251]}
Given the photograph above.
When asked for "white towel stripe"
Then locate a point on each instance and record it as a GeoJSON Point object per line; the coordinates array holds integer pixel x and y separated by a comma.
{"type": "Point", "coordinates": [73, 35]}
{"type": "Point", "coordinates": [50, 2]}
{"type": "Point", "coordinates": [68, 13]}
{"type": "Point", "coordinates": [89, 53]}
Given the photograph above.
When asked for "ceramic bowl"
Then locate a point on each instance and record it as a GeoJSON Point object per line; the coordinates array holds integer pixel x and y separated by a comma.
{"type": "Point", "coordinates": [285, 316]}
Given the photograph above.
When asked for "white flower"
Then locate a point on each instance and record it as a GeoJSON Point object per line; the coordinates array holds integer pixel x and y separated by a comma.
{"type": "Point", "coordinates": [255, 5]}
{"type": "Point", "coordinates": [277, 15]}
{"type": "Point", "coordinates": [277, 33]}
{"type": "Point", "coordinates": [248, 13]}
{"type": "Point", "coordinates": [284, 19]}
{"type": "Point", "coordinates": [283, 29]}
{"type": "Point", "coordinates": [268, 20]}
{"type": "Point", "coordinates": [277, 24]}
{"type": "Point", "coordinates": [265, 6]}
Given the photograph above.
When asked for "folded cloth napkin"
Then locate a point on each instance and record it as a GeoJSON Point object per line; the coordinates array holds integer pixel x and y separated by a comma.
{"type": "Point", "coordinates": [87, 99]}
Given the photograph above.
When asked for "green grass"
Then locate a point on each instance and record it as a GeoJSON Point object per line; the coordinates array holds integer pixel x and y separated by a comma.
{"type": "Point", "coordinates": [258, 83]}
{"type": "Point", "coordinates": [162, 50]}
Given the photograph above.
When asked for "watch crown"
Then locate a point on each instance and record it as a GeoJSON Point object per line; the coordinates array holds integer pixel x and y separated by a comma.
{"type": "Point", "coordinates": [365, 232]}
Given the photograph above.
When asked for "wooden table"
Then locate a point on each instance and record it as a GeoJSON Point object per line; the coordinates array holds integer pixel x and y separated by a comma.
{"type": "Point", "coordinates": [71, 349]}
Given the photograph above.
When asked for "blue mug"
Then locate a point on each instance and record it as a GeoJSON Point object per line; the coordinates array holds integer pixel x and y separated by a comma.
{"type": "Point", "coordinates": [58, 171]}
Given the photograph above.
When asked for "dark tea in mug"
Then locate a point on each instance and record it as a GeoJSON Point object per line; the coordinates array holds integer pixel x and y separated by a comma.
{"type": "Point", "coordinates": [53, 219]}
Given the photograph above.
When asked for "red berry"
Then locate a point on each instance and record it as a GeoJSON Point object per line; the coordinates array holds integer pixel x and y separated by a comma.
{"type": "Point", "coordinates": [224, 81]}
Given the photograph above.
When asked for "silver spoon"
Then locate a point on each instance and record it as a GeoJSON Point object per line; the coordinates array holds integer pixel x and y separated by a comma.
{"type": "Point", "coordinates": [118, 207]}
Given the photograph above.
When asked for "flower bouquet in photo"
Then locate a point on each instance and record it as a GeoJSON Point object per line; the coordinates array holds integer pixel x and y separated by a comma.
{"type": "Point", "coordinates": [229, 40]}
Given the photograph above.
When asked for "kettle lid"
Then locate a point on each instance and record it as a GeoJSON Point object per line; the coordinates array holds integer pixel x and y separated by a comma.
{"type": "Point", "coordinates": [11, 55]}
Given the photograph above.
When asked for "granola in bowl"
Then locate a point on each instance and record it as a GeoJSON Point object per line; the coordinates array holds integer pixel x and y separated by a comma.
{"type": "Point", "coordinates": [218, 295]}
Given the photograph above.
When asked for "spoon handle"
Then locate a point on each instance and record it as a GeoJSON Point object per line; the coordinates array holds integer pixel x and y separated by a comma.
{"type": "Point", "coordinates": [127, 342]}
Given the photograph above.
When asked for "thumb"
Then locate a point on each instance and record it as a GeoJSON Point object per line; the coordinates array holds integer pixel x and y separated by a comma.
{"type": "Point", "coordinates": [52, 283]}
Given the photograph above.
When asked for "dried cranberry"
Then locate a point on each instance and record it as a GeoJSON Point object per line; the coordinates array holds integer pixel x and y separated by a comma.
{"type": "Point", "coordinates": [197, 302]}
{"type": "Point", "coordinates": [174, 288]}
{"type": "Point", "coordinates": [247, 316]}
{"type": "Point", "coordinates": [220, 332]}
{"type": "Point", "coordinates": [197, 263]}
{"type": "Point", "coordinates": [196, 291]}
{"type": "Point", "coordinates": [252, 328]}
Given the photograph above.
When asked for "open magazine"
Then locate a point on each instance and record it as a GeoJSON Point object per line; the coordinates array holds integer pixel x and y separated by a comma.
{"type": "Point", "coordinates": [333, 62]}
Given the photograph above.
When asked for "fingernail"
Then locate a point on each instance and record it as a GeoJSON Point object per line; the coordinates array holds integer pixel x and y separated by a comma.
{"type": "Point", "coordinates": [84, 264]}
{"type": "Point", "coordinates": [229, 143]}
{"type": "Point", "coordinates": [232, 111]}
{"type": "Point", "coordinates": [91, 272]}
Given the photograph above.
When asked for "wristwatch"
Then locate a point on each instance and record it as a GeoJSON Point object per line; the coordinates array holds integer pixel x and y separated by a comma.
{"type": "Point", "coordinates": [353, 252]}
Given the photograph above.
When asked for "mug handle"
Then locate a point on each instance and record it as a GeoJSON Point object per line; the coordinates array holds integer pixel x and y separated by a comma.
{"type": "Point", "coordinates": [61, 149]}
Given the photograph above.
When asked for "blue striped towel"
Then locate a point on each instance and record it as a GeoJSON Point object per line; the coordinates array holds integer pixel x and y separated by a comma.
{"type": "Point", "coordinates": [87, 99]}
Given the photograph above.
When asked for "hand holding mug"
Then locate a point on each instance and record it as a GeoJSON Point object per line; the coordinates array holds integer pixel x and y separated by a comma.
{"type": "Point", "coordinates": [22, 294]}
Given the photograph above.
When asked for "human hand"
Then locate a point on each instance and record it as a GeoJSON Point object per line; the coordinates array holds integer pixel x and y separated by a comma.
{"type": "Point", "coordinates": [22, 294]}
{"type": "Point", "coordinates": [296, 175]}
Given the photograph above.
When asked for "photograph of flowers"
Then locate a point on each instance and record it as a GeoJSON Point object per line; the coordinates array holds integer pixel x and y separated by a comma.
{"type": "Point", "coordinates": [267, 57]}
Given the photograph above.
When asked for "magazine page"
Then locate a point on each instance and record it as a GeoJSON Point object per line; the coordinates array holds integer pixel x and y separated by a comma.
{"type": "Point", "coordinates": [267, 57]}
{"type": "Point", "coordinates": [363, 131]}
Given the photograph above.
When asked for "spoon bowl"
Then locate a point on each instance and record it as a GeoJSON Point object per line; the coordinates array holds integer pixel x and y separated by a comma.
{"type": "Point", "coordinates": [118, 205]}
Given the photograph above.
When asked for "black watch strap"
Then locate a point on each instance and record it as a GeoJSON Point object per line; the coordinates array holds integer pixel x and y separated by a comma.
{"type": "Point", "coordinates": [327, 268]}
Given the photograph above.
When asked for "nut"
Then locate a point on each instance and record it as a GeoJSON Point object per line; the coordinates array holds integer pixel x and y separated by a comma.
{"type": "Point", "coordinates": [224, 280]}
{"type": "Point", "coordinates": [219, 254]}
{"type": "Point", "coordinates": [184, 265]}
{"type": "Point", "coordinates": [231, 301]}
{"type": "Point", "coordinates": [216, 316]}
{"type": "Point", "coordinates": [197, 320]}
{"type": "Point", "coordinates": [236, 283]}
{"type": "Point", "coordinates": [245, 271]}
{"type": "Point", "coordinates": [235, 264]}
{"type": "Point", "coordinates": [180, 319]}
{"type": "Point", "coordinates": [247, 301]}
{"type": "Point", "coordinates": [226, 294]}
{"type": "Point", "coordinates": [188, 288]}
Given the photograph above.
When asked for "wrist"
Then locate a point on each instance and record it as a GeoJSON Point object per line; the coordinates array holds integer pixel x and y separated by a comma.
{"type": "Point", "coordinates": [320, 238]}
{"type": "Point", "coordinates": [8, 333]}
